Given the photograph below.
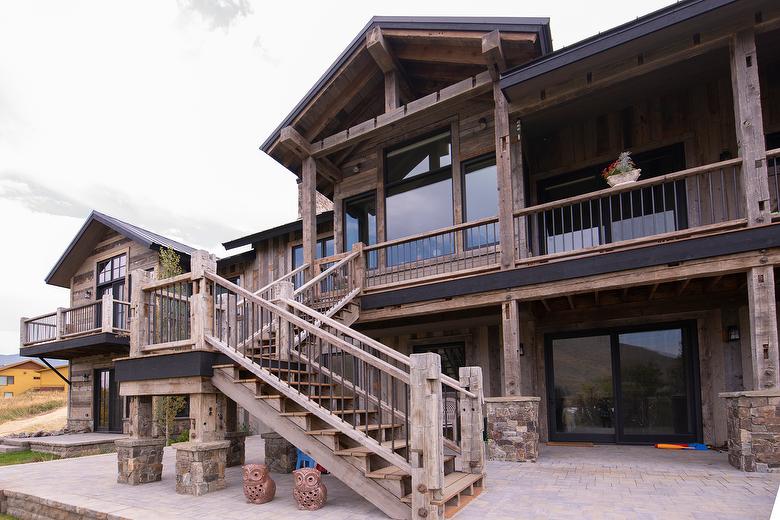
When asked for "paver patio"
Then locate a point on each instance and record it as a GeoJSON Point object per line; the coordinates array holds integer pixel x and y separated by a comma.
{"type": "Point", "coordinates": [567, 482]}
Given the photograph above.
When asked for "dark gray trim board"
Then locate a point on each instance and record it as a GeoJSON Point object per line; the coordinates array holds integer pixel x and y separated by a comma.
{"type": "Point", "coordinates": [54, 349]}
{"type": "Point", "coordinates": [284, 229]}
{"type": "Point", "coordinates": [669, 253]}
{"type": "Point", "coordinates": [197, 363]}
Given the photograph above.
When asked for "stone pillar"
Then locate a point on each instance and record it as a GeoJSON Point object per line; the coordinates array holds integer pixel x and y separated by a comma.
{"type": "Point", "coordinates": [753, 423]}
{"type": "Point", "coordinates": [236, 452]}
{"type": "Point", "coordinates": [513, 428]}
{"type": "Point", "coordinates": [139, 457]}
{"type": "Point", "coordinates": [200, 467]}
{"type": "Point", "coordinates": [280, 455]}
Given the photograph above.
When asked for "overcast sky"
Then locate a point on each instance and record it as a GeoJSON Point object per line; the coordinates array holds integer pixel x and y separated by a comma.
{"type": "Point", "coordinates": [153, 112]}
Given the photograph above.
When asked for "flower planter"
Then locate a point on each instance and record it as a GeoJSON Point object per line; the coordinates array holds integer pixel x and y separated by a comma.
{"type": "Point", "coordinates": [623, 178]}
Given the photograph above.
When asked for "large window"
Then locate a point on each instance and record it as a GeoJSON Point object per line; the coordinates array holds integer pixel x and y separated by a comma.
{"type": "Point", "coordinates": [480, 199]}
{"type": "Point", "coordinates": [111, 280]}
{"type": "Point", "coordinates": [324, 248]}
{"type": "Point", "coordinates": [419, 187]}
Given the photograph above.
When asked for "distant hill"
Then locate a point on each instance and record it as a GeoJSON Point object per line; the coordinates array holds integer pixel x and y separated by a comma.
{"type": "Point", "coordinates": [7, 359]}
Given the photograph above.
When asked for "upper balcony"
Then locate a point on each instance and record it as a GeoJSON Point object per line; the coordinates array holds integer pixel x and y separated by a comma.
{"type": "Point", "coordinates": [90, 328]}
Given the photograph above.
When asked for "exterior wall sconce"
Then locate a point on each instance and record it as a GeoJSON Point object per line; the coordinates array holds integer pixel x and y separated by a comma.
{"type": "Point", "coordinates": [88, 293]}
{"type": "Point", "coordinates": [732, 333]}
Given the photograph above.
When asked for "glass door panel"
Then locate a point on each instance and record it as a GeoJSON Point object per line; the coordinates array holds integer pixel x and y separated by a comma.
{"type": "Point", "coordinates": [655, 396]}
{"type": "Point", "coordinates": [583, 395]}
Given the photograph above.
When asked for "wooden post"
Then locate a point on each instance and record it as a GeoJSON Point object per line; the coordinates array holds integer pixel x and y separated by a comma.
{"type": "Point", "coordinates": [763, 328]}
{"type": "Point", "coordinates": [309, 212]}
{"type": "Point", "coordinates": [510, 373]}
{"type": "Point", "coordinates": [359, 267]}
{"type": "Point", "coordinates": [208, 413]}
{"type": "Point", "coordinates": [201, 301]}
{"type": "Point", "coordinates": [746, 91]}
{"type": "Point", "coordinates": [141, 416]}
{"type": "Point", "coordinates": [504, 172]}
{"type": "Point", "coordinates": [472, 421]}
{"type": "Point", "coordinates": [138, 311]}
{"type": "Point", "coordinates": [518, 189]}
{"type": "Point", "coordinates": [22, 331]}
{"type": "Point", "coordinates": [426, 442]}
{"type": "Point", "coordinates": [59, 321]}
{"type": "Point", "coordinates": [284, 336]}
{"type": "Point", "coordinates": [107, 313]}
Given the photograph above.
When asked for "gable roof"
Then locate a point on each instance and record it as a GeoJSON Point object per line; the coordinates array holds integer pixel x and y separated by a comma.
{"type": "Point", "coordinates": [540, 26]}
{"type": "Point", "coordinates": [661, 19]}
{"type": "Point", "coordinates": [90, 234]}
{"type": "Point", "coordinates": [37, 365]}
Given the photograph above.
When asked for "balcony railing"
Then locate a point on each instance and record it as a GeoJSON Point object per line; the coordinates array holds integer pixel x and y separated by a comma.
{"type": "Point", "coordinates": [105, 315]}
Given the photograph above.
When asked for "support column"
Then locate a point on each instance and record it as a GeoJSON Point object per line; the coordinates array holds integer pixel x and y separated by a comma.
{"type": "Point", "coordinates": [201, 463]}
{"type": "Point", "coordinates": [518, 188]}
{"type": "Point", "coordinates": [510, 352]}
{"type": "Point", "coordinates": [504, 173]}
{"type": "Point", "coordinates": [746, 91]}
{"type": "Point", "coordinates": [284, 337]}
{"type": "Point", "coordinates": [138, 311]}
{"type": "Point", "coordinates": [472, 421]}
{"type": "Point", "coordinates": [236, 450]}
{"type": "Point", "coordinates": [426, 443]}
{"type": "Point", "coordinates": [309, 211]}
{"type": "Point", "coordinates": [139, 457]}
{"type": "Point", "coordinates": [763, 328]}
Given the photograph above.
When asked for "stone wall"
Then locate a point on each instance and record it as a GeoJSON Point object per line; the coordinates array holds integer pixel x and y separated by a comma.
{"type": "Point", "coordinates": [200, 467]}
{"type": "Point", "coordinates": [29, 507]}
{"type": "Point", "coordinates": [753, 422]}
{"type": "Point", "coordinates": [236, 450]}
{"type": "Point", "coordinates": [513, 428]}
{"type": "Point", "coordinates": [280, 455]}
{"type": "Point", "coordinates": [139, 461]}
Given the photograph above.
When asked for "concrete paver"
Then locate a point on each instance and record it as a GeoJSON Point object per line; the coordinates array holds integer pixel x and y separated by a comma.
{"type": "Point", "coordinates": [567, 482]}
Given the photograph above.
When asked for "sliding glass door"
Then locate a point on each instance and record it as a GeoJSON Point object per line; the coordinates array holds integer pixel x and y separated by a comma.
{"type": "Point", "coordinates": [635, 385]}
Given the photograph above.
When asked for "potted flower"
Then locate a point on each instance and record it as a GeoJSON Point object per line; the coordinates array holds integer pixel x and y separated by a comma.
{"type": "Point", "coordinates": [621, 171]}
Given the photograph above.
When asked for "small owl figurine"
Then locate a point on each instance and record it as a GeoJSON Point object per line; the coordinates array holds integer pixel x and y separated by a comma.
{"type": "Point", "coordinates": [309, 491]}
{"type": "Point", "coordinates": [259, 488]}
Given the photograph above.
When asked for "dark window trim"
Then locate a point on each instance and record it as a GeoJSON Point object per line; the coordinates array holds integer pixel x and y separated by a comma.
{"type": "Point", "coordinates": [487, 158]}
{"type": "Point", "coordinates": [362, 197]}
{"type": "Point", "coordinates": [394, 188]}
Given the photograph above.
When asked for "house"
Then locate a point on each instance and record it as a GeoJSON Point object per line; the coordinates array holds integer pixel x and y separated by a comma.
{"type": "Point", "coordinates": [94, 329]}
{"type": "Point", "coordinates": [28, 375]}
{"type": "Point", "coordinates": [476, 259]}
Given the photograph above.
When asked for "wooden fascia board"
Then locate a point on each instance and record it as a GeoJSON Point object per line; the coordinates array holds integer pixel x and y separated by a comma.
{"type": "Point", "coordinates": [493, 54]}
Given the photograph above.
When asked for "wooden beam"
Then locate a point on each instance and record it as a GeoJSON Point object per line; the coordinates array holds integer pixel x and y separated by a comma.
{"type": "Point", "coordinates": [493, 54]}
{"type": "Point", "coordinates": [763, 327]}
{"type": "Point", "coordinates": [386, 60]}
{"type": "Point", "coordinates": [398, 118]}
{"type": "Point", "coordinates": [746, 90]}
{"type": "Point", "coordinates": [329, 170]}
{"type": "Point", "coordinates": [518, 188]}
{"type": "Point", "coordinates": [392, 91]}
{"type": "Point", "coordinates": [510, 325]}
{"type": "Point", "coordinates": [309, 210]}
{"type": "Point", "coordinates": [570, 299]}
{"type": "Point", "coordinates": [653, 289]}
{"type": "Point", "coordinates": [714, 283]}
{"type": "Point", "coordinates": [504, 173]}
{"type": "Point", "coordinates": [545, 304]}
{"type": "Point", "coordinates": [291, 139]}
{"type": "Point", "coordinates": [683, 285]}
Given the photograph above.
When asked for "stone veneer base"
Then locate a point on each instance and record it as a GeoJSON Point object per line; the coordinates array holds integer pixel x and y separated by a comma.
{"type": "Point", "coordinates": [139, 461]}
{"type": "Point", "coordinates": [753, 423]}
{"type": "Point", "coordinates": [513, 428]}
{"type": "Point", "coordinates": [200, 467]}
{"type": "Point", "coordinates": [280, 455]}
{"type": "Point", "coordinates": [236, 450]}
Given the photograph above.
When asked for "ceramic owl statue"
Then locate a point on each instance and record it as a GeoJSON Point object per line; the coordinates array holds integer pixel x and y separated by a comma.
{"type": "Point", "coordinates": [259, 488]}
{"type": "Point", "coordinates": [309, 491]}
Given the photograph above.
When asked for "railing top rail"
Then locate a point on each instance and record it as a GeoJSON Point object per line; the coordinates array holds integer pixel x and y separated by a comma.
{"type": "Point", "coordinates": [282, 278]}
{"type": "Point", "coordinates": [121, 302]}
{"type": "Point", "coordinates": [156, 284]}
{"type": "Point", "coordinates": [325, 273]}
{"type": "Point", "coordinates": [389, 352]}
{"type": "Point", "coordinates": [310, 328]}
{"type": "Point", "coordinates": [629, 187]}
{"type": "Point", "coordinates": [773, 153]}
{"type": "Point", "coordinates": [36, 318]}
{"type": "Point", "coordinates": [82, 306]}
{"type": "Point", "coordinates": [440, 231]}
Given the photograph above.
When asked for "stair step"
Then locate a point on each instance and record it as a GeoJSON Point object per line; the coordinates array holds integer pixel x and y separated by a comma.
{"type": "Point", "coordinates": [454, 483]}
{"type": "Point", "coordinates": [389, 473]}
{"type": "Point", "coordinates": [313, 397]}
{"type": "Point", "coordinates": [363, 451]}
{"type": "Point", "coordinates": [346, 412]}
{"type": "Point", "coordinates": [363, 428]}
{"type": "Point", "coordinates": [294, 414]}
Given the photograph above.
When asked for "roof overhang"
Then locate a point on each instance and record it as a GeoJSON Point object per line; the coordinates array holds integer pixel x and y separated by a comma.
{"type": "Point", "coordinates": [90, 234]}
{"type": "Point", "coordinates": [538, 26]}
{"type": "Point", "coordinates": [649, 31]}
{"type": "Point", "coordinates": [102, 343]}
{"type": "Point", "coordinates": [284, 229]}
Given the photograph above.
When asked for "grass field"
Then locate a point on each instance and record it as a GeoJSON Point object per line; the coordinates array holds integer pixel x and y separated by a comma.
{"type": "Point", "coordinates": [30, 404]}
{"type": "Point", "coordinates": [22, 457]}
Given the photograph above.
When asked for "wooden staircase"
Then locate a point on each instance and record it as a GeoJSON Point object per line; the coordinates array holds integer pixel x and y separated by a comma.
{"type": "Point", "coordinates": [372, 416]}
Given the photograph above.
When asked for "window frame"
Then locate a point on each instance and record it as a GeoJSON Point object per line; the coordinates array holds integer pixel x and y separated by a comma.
{"type": "Point", "coordinates": [9, 380]}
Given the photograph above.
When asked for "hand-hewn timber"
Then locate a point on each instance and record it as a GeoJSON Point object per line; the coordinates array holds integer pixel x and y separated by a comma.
{"type": "Point", "coordinates": [763, 327]}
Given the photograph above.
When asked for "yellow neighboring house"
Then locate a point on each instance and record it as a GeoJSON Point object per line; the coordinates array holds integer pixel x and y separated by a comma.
{"type": "Point", "coordinates": [22, 376]}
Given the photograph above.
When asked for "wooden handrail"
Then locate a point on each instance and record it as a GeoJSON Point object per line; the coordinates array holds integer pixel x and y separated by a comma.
{"type": "Point", "coordinates": [281, 279]}
{"type": "Point", "coordinates": [773, 153]}
{"type": "Point", "coordinates": [324, 274]}
{"type": "Point", "coordinates": [36, 318]}
{"type": "Point", "coordinates": [156, 284]}
{"type": "Point", "coordinates": [628, 187]}
{"type": "Point", "coordinates": [428, 234]}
